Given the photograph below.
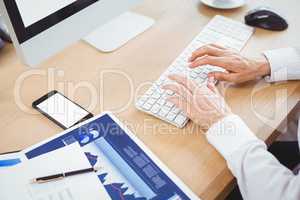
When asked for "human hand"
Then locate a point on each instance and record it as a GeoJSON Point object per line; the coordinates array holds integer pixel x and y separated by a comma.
{"type": "Point", "coordinates": [204, 105]}
{"type": "Point", "coordinates": [240, 69]}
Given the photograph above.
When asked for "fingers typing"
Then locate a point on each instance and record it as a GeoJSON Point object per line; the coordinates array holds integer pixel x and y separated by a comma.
{"type": "Point", "coordinates": [190, 85]}
{"type": "Point", "coordinates": [181, 103]}
{"type": "Point", "coordinates": [212, 60]}
{"type": "Point", "coordinates": [222, 76]}
{"type": "Point", "coordinates": [179, 90]}
{"type": "Point", "coordinates": [212, 50]}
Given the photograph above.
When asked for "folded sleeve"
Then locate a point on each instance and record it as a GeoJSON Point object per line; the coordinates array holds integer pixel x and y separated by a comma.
{"type": "Point", "coordinates": [259, 174]}
{"type": "Point", "coordinates": [285, 64]}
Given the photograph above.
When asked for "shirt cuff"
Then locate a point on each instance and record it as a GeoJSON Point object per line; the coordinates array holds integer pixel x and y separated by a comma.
{"type": "Point", "coordinates": [230, 134]}
{"type": "Point", "coordinates": [284, 64]}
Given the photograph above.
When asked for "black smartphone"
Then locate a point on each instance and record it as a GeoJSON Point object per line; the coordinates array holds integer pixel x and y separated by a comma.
{"type": "Point", "coordinates": [61, 110]}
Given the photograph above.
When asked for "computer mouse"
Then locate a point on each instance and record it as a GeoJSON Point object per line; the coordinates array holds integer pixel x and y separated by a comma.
{"type": "Point", "coordinates": [266, 18]}
{"type": "Point", "coordinates": [4, 33]}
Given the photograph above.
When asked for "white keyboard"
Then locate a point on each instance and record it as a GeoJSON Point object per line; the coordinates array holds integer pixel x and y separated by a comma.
{"type": "Point", "coordinates": [219, 30]}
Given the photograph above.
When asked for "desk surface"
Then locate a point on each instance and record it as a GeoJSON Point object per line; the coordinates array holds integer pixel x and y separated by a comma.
{"type": "Point", "coordinates": [100, 82]}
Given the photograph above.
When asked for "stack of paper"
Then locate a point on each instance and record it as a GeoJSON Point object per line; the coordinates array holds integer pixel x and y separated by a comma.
{"type": "Point", "coordinates": [16, 182]}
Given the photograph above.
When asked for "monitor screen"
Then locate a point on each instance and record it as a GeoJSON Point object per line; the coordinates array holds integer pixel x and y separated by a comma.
{"type": "Point", "coordinates": [45, 8]}
{"type": "Point", "coordinates": [31, 17]}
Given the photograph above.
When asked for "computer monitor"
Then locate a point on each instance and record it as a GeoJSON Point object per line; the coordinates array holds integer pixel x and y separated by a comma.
{"type": "Point", "coordinates": [41, 28]}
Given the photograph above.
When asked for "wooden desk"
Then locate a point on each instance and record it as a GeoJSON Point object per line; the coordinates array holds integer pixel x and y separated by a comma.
{"type": "Point", "coordinates": [263, 106]}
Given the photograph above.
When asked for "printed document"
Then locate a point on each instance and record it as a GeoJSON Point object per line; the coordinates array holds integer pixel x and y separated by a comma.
{"type": "Point", "coordinates": [15, 182]}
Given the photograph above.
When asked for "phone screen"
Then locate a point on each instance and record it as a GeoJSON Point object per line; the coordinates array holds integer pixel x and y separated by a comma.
{"type": "Point", "coordinates": [62, 110]}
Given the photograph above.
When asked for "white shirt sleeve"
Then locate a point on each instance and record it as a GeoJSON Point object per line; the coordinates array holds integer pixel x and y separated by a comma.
{"type": "Point", "coordinates": [285, 64]}
{"type": "Point", "coordinates": [258, 172]}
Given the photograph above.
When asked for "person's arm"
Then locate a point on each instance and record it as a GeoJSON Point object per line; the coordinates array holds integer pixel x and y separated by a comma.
{"type": "Point", "coordinates": [258, 172]}
{"type": "Point", "coordinates": [277, 65]}
{"type": "Point", "coordinates": [284, 63]}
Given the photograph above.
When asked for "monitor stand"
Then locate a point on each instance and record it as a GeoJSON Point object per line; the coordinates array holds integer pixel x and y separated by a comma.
{"type": "Point", "coordinates": [118, 31]}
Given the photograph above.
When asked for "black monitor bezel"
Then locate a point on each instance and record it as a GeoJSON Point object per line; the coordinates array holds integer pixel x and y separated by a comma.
{"type": "Point", "coordinates": [25, 33]}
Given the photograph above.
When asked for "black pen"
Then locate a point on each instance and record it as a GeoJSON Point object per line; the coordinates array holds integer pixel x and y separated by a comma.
{"type": "Point", "coordinates": [59, 176]}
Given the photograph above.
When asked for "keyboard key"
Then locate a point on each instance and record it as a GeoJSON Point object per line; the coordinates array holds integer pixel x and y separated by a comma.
{"type": "Point", "coordinates": [169, 104]}
{"type": "Point", "coordinates": [163, 113]}
{"type": "Point", "coordinates": [180, 119]}
{"type": "Point", "coordinates": [175, 110]}
{"type": "Point", "coordinates": [161, 102]}
{"type": "Point", "coordinates": [197, 70]}
{"type": "Point", "coordinates": [140, 103]}
{"type": "Point", "coordinates": [166, 108]}
{"type": "Point", "coordinates": [155, 109]}
{"type": "Point", "coordinates": [147, 106]}
{"type": "Point", "coordinates": [143, 99]}
{"type": "Point", "coordinates": [156, 95]}
{"type": "Point", "coordinates": [171, 116]}
{"type": "Point", "coordinates": [202, 76]}
{"type": "Point", "coordinates": [151, 101]}
{"type": "Point", "coordinates": [193, 75]}
{"type": "Point", "coordinates": [149, 92]}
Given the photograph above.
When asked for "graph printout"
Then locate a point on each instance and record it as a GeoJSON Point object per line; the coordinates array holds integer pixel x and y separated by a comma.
{"type": "Point", "coordinates": [129, 173]}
